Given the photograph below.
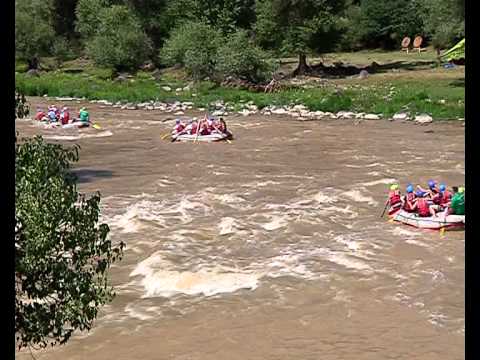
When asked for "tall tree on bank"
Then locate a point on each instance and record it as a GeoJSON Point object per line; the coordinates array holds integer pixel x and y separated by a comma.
{"type": "Point", "coordinates": [225, 15]}
{"type": "Point", "coordinates": [444, 22]}
{"type": "Point", "coordinates": [34, 31]}
{"type": "Point", "coordinates": [296, 25]}
{"type": "Point", "coordinates": [62, 253]}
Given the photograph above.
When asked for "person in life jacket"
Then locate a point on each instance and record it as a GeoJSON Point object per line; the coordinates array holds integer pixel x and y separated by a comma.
{"type": "Point", "coordinates": [445, 196]}
{"type": "Point", "coordinates": [84, 116]}
{"type": "Point", "coordinates": [40, 115]}
{"type": "Point", "coordinates": [204, 129]}
{"type": "Point", "coordinates": [457, 205]}
{"type": "Point", "coordinates": [422, 206]}
{"type": "Point", "coordinates": [64, 116]}
{"type": "Point", "coordinates": [179, 127]}
{"type": "Point", "coordinates": [222, 126]}
{"type": "Point", "coordinates": [394, 197]}
{"type": "Point", "coordinates": [432, 189]}
{"type": "Point", "coordinates": [410, 199]}
{"type": "Point", "coordinates": [211, 124]}
{"type": "Point", "coordinates": [52, 116]}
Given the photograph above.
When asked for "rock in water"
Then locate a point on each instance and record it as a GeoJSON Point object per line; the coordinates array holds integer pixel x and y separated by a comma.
{"type": "Point", "coordinates": [423, 119]}
{"type": "Point", "coordinates": [371, 117]}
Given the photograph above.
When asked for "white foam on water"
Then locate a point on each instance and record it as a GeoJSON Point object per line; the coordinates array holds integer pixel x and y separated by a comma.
{"type": "Point", "coordinates": [228, 198]}
{"type": "Point", "coordinates": [226, 226]}
{"type": "Point", "coordinates": [77, 137]}
{"type": "Point", "coordinates": [165, 183]}
{"type": "Point", "coordinates": [347, 241]}
{"type": "Point", "coordinates": [276, 222]}
{"type": "Point", "coordinates": [416, 242]}
{"type": "Point", "coordinates": [378, 182]}
{"type": "Point", "coordinates": [136, 313]}
{"type": "Point", "coordinates": [347, 261]}
{"type": "Point", "coordinates": [207, 282]}
{"type": "Point", "coordinates": [402, 231]}
{"type": "Point", "coordinates": [357, 196]}
{"type": "Point", "coordinates": [323, 198]}
{"type": "Point", "coordinates": [364, 166]}
{"type": "Point", "coordinates": [266, 183]}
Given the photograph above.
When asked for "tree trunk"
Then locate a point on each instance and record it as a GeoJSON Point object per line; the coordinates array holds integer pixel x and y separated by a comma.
{"type": "Point", "coordinates": [33, 63]}
{"type": "Point", "coordinates": [303, 67]}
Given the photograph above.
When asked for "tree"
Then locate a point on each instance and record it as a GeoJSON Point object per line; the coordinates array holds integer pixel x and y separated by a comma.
{"type": "Point", "coordinates": [88, 16]}
{"type": "Point", "coordinates": [119, 40]}
{"type": "Point", "coordinates": [33, 30]}
{"type": "Point", "coordinates": [386, 22]}
{"type": "Point", "coordinates": [444, 22]}
{"type": "Point", "coordinates": [225, 15]}
{"type": "Point", "coordinates": [193, 45]}
{"type": "Point", "coordinates": [62, 254]}
{"type": "Point", "coordinates": [237, 56]}
{"type": "Point", "coordinates": [22, 109]}
{"type": "Point", "coordinates": [296, 24]}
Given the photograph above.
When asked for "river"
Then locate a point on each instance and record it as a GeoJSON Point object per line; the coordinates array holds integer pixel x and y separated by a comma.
{"type": "Point", "coordinates": [271, 246]}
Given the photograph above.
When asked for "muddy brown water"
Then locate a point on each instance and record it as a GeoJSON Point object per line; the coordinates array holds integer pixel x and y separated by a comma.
{"type": "Point", "coordinates": [271, 246]}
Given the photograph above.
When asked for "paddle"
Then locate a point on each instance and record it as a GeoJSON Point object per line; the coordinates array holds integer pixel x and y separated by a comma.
{"type": "Point", "coordinates": [385, 208]}
{"type": "Point", "coordinates": [198, 129]}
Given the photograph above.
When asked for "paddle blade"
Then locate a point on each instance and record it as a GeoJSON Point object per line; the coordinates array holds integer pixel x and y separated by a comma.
{"type": "Point", "coordinates": [96, 126]}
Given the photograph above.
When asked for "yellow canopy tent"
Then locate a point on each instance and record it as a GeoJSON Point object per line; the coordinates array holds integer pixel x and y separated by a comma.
{"type": "Point", "coordinates": [455, 53]}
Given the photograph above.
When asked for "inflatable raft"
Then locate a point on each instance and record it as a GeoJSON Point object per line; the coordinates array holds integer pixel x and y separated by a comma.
{"type": "Point", "coordinates": [205, 138]}
{"type": "Point", "coordinates": [432, 222]}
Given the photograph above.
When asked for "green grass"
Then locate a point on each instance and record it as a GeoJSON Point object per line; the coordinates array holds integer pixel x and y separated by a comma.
{"type": "Point", "coordinates": [438, 92]}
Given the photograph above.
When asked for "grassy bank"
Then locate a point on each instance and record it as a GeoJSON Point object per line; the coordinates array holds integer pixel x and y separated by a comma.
{"type": "Point", "coordinates": [438, 92]}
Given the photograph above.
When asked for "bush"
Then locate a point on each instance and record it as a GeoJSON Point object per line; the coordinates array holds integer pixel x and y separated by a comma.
{"type": "Point", "coordinates": [61, 50]}
{"type": "Point", "coordinates": [61, 254]}
{"type": "Point", "coordinates": [22, 109]}
{"type": "Point", "coordinates": [193, 45]}
{"type": "Point", "coordinates": [238, 57]}
{"type": "Point", "coordinates": [119, 42]}
{"type": "Point", "coordinates": [88, 16]}
{"type": "Point", "coordinates": [33, 28]}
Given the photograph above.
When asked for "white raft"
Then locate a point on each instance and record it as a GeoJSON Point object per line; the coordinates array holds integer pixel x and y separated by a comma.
{"type": "Point", "coordinates": [431, 222]}
{"type": "Point", "coordinates": [207, 138]}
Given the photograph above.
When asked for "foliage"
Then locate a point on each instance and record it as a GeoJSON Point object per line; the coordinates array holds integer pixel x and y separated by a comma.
{"type": "Point", "coordinates": [349, 26]}
{"type": "Point", "coordinates": [22, 109]}
{"type": "Point", "coordinates": [88, 16]}
{"type": "Point", "coordinates": [61, 254]}
{"type": "Point", "coordinates": [119, 40]}
{"type": "Point", "coordinates": [34, 31]}
{"type": "Point", "coordinates": [296, 25]}
{"type": "Point", "coordinates": [386, 22]}
{"type": "Point", "coordinates": [239, 57]}
{"type": "Point", "coordinates": [442, 95]}
{"type": "Point", "coordinates": [444, 21]}
{"type": "Point", "coordinates": [193, 45]}
{"type": "Point", "coordinates": [61, 50]}
{"type": "Point", "coordinates": [225, 15]}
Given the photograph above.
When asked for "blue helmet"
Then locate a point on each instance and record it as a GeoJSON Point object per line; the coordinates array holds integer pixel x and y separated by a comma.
{"type": "Point", "coordinates": [409, 188]}
{"type": "Point", "coordinates": [419, 193]}
{"type": "Point", "coordinates": [442, 187]}
{"type": "Point", "coordinates": [431, 184]}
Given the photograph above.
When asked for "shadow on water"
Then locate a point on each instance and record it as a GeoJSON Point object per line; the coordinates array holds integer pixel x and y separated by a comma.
{"type": "Point", "coordinates": [88, 175]}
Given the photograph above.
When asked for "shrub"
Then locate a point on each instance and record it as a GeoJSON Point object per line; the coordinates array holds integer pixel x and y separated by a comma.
{"type": "Point", "coordinates": [33, 29]}
{"type": "Point", "coordinates": [62, 254]}
{"type": "Point", "coordinates": [239, 57]}
{"type": "Point", "coordinates": [119, 42]}
{"type": "Point", "coordinates": [88, 16]}
{"type": "Point", "coordinates": [193, 45]}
